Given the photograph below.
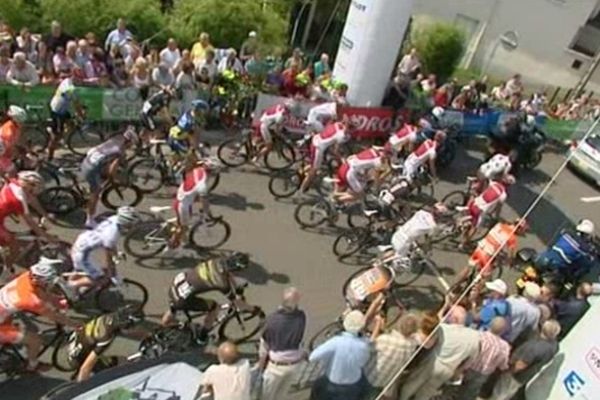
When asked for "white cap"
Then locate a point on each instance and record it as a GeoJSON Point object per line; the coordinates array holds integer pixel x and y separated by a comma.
{"type": "Point", "coordinates": [532, 290]}
{"type": "Point", "coordinates": [585, 226]}
{"type": "Point", "coordinates": [497, 285]}
{"type": "Point", "coordinates": [252, 34]}
{"type": "Point", "coordinates": [354, 321]}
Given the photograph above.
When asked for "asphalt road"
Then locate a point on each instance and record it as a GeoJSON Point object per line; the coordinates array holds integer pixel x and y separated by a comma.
{"type": "Point", "coordinates": [283, 254]}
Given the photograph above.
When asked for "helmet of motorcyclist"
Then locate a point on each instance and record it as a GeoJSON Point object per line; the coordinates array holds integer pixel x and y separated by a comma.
{"type": "Point", "coordinates": [438, 112]}
{"type": "Point", "coordinates": [586, 227]}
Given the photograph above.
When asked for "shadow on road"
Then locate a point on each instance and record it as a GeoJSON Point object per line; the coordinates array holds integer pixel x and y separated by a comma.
{"type": "Point", "coordinates": [235, 201]}
{"type": "Point", "coordinates": [35, 386]}
{"type": "Point", "coordinates": [421, 297]}
{"type": "Point", "coordinates": [259, 275]}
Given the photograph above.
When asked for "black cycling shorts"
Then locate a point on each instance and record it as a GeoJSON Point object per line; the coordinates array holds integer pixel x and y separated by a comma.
{"type": "Point", "coordinates": [57, 122]}
{"type": "Point", "coordinates": [193, 303]}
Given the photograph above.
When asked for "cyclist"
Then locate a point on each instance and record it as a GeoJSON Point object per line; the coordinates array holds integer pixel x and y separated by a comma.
{"type": "Point", "coordinates": [424, 155]}
{"type": "Point", "coordinates": [10, 133]}
{"type": "Point", "coordinates": [403, 140]}
{"type": "Point", "coordinates": [334, 134]}
{"type": "Point", "coordinates": [156, 106]}
{"type": "Point", "coordinates": [32, 292]}
{"type": "Point", "coordinates": [104, 237]}
{"type": "Point", "coordinates": [60, 112]}
{"type": "Point", "coordinates": [501, 238]}
{"type": "Point", "coordinates": [182, 135]}
{"type": "Point", "coordinates": [193, 187]}
{"type": "Point", "coordinates": [101, 164]}
{"type": "Point", "coordinates": [353, 173]}
{"type": "Point", "coordinates": [89, 343]}
{"type": "Point", "coordinates": [271, 121]}
{"type": "Point", "coordinates": [320, 115]}
{"type": "Point", "coordinates": [212, 275]}
{"type": "Point", "coordinates": [572, 255]}
{"type": "Point", "coordinates": [489, 201]}
{"type": "Point", "coordinates": [16, 196]}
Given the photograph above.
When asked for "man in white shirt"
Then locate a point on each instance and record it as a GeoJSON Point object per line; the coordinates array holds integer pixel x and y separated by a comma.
{"type": "Point", "coordinates": [118, 37]}
{"type": "Point", "coordinates": [410, 63]}
{"type": "Point", "coordinates": [231, 62]}
{"type": "Point", "coordinates": [162, 77]}
{"type": "Point", "coordinates": [230, 379]}
{"type": "Point", "coordinates": [22, 72]}
{"type": "Point", "coordinates": [170, 55]}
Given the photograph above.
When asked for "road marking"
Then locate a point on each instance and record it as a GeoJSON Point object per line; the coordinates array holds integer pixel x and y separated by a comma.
{"type": "Point", "coordinates": [439, 276]}
{"type": "Point", "coordinates": [593, 199]}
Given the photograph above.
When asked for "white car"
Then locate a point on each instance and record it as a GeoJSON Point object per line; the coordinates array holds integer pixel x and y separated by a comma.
{"type": "Point", "coordinates": [585, 157]}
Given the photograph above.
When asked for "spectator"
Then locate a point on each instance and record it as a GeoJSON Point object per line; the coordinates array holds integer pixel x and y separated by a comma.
{"type": "Point", "coordinates": [6, 35]}
{"type": "Point", "coordinates": [430, 84]}
{"type": "Point", "coordinates": [118, 37]}
{"type": "Point", "coordinates": [453, 312]}
{"type": "Point", "coordinates": [208, 68]}
{"type": "Point", "coordinates": [481, 86]}
{"type": "Point", "coordinates": [514, 85]}
{"type": "Point", "coordinates": [410, 64]}
{"type": "Point", "coordinates": [185, 84]}
{"type": "Point", "coordinates": [527, 360]}
{"type": "Point", "coordinates": [569, 311]}
{"type": "Point", "coordinates": [493, 355]}
{"type": "Point", "coordinates": [249, 47]}
{"type": "Point", "coordinates": [499, 93]}
{"type": "Point", "coordinates": [153, 58]}
{"type": "Point", "coordinates": [231, 62]}
{"type": "Point", "coordinates": [57, 38]}
{"type": "Point", "coordinates": [28, 44]}
{"type": "Point", "coordinates": [230, 379]}
{"type": "Point", "coordinates": [392, 351]}
{"type": "Point", "coordinates": [289, 85]}
{"type": "Point", "coordinates": [83, 53]}
{"type": "Point", "coordinates": [5, 63]}
{"type": "Point", "coordinates": [441, 98]}
{"type": "Point", "coordinates": [186, 57]}
{"type": "Point", "coordinates": [257, 68]}
{"type": "Point", "coordinates": [140, 77]}
{"type": "Point", "coordinates": [295, 58]}
{"type": "Point", "coordinates": [524, 313]}
{"type": "Point", "coordinates": [494, 305]}
{"type": "Point", "coordinates": [455, 345]}
{"type": "Point", "coordinates": [200, 48]}
{"type": "Point", "coordinates": [22, 72]}
{"type": "Point", "coordinates": [460, 101]}
{"type": "Point", "coordinates": [281, 353]}
{"type": "Point", "coordinates": [170, 55]}
{"type": "Point", "coordinates": [131, 58]}
{"type": "Point", "coordinates": [63, 65]}
{"type": "Point", "coordinates": [397, 93]}
{"type": "Point", "coordinates": [548, 293]}
{"type": "Point", "coordinates": [119, 76]}
{"type": "Point", "coordinates": [321, 67]}
{"type": "Point", "coordinates": [162, 77]}
{"type": "Point", "coordinates": [95, 70]}
{"type": "Point", "coordinates": [90, 37]}
{"type": "Point", "coordinates": [344, 357]}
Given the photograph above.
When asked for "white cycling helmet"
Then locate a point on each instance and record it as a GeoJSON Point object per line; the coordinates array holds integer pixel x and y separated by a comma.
{"type": "Point", "coordinates": [438, 112]}
{"type": "Point", "coordinates": [127, 216]}
{"type": "Point", "coordinates": [45, 270]}
{"type": "Point", "coordinates": [17, 114]}
{"type": "Point", "coordinates": [32, 178]}
{"type": "Point", "coordinates": [585, 226]}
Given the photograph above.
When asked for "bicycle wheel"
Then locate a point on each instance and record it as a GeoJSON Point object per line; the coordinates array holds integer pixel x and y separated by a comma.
{"type": "Point", "coordinates": [410, 274]}
{"type": "Point", "coordinates": [458, 198]}
{"type": "Point", "coordinates": [351, 277]}
{"type": "Point", "coordinates": [285, 184]}
{"type": "Point", "coordinates": [61, 359]}
{"type": "Point", "coordinates": [281, 157]}
{"type": "Point", "coordinates": [147, 239]}
{"type": "Point", "coordinates": [128, 293]}
{"type": "Point", "coordinates": [208, 235]}
{"type": "Point", "coordinates": [350, 242]}
{"type": "Point", "coordinates": [239, 327]}
{"type": "Point", "coordinates": [37, 138]}
{"type": "Point", "coordinates": [176, 338]}
{"type": "Point", "coordinates": [233, 153]}
{"type": "Point", "coordinates": [328, 331]}
{"type": "Point", "coordinates": [312, 213]}
{"type": "Point", "coordinates": [83, 139]}
{"type": "Point", "coordinates": [11, 363]}
{"type": "Point", "coordinates": [59, 200]}
{"type": "Point", "coordinates": [116, 196]}
{"type": "Point", "coordinates": [213, 181]}
{"type": "Point", "coordinates": [147, 175]}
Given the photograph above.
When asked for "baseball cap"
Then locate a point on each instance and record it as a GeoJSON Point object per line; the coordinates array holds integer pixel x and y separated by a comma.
{"type": "Point", "coordinates": [497, 285]}
{"type": "Point", "coordinates": [354, 321]}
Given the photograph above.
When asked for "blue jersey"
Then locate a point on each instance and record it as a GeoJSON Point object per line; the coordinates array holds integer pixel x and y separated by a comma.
{"type": "Point", "coordinates": [570, 249]}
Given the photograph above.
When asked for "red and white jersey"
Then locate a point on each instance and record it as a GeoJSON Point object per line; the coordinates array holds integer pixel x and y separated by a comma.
{"type": "Point", "coordinates": [496, 166]}
{"type": "Point", "coordinates": [193, 185]}
{"type": "Point", "coordinates": [334, 133]}
{"type": "Point", "coordinates": [365, 160]}
{"type": "Point", "coordinates": [406, 134]}
{"type": "Point", "coordinates": [12, 200]}
{"type": "Point", "coordinates": [425, 152]}
{"type": "Point", "coordinates": [273, 115]}
{"type": "Point", "coordinates": [494, 195]}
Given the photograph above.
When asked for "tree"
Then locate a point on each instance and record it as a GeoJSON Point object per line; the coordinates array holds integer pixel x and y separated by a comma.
{"type": "Point", "coordinates": [20, 13]}
{"type": "Point", "coordinates": [440, 46]}
{"type": "Point", "coordinates": [228, 22]}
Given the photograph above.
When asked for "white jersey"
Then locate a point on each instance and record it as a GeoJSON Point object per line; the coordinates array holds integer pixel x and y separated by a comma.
{"type": "Point", "coordinates": [323, 112]}
{"type": "Point", "coordinates": [112, 148]}
{"type": "Point", "coordinates": [105, 235]}
{"type": "Point", "coordinates": [273, 116]}
{"type": "Point", "coordinates": [497, 166]}
{"type": "Point", "coordinates": [418, 226]}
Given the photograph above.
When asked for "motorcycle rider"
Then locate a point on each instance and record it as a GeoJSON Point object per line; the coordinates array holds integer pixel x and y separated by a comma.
{"type": "Point", "coordinates": [571, 256]}
{"type": "Point", "coordinates": [515, 138]}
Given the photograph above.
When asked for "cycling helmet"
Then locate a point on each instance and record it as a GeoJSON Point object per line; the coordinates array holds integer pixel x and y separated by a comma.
{"type": "Point", "coordinates": [44, 270]}
{"type": "Point", "coordinates": [131, 135]}
{"type": "Point", "coordinates": [438, 112]}
{"type": "Point", "coordinates": [17, 114]}
{"type": "Point", "coordinates": [586, 227]}
{"type": "Point", "coordinates": [237, 261]}
{"type": "Point", "coordinates": [32, 178]}
{"type": "Point", "coordinates": [127, 216]}
{"type": "Point", "coordinates": [200, 105]}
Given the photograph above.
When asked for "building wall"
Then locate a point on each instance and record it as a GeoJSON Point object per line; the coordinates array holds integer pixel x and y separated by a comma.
{"type": "Point", "coordinates": [546, 29]}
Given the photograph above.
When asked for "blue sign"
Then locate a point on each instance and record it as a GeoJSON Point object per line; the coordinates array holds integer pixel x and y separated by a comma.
{"type": "Point", "coordinates": [573, 383]}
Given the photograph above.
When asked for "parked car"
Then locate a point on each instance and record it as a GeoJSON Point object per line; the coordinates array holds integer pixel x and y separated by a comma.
{"type": "Point", "coordinates": [585, 157]}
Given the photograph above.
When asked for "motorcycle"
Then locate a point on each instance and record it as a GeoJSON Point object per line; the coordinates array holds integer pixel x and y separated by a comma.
{"type": "Point", "coordinates": [524, 147]}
